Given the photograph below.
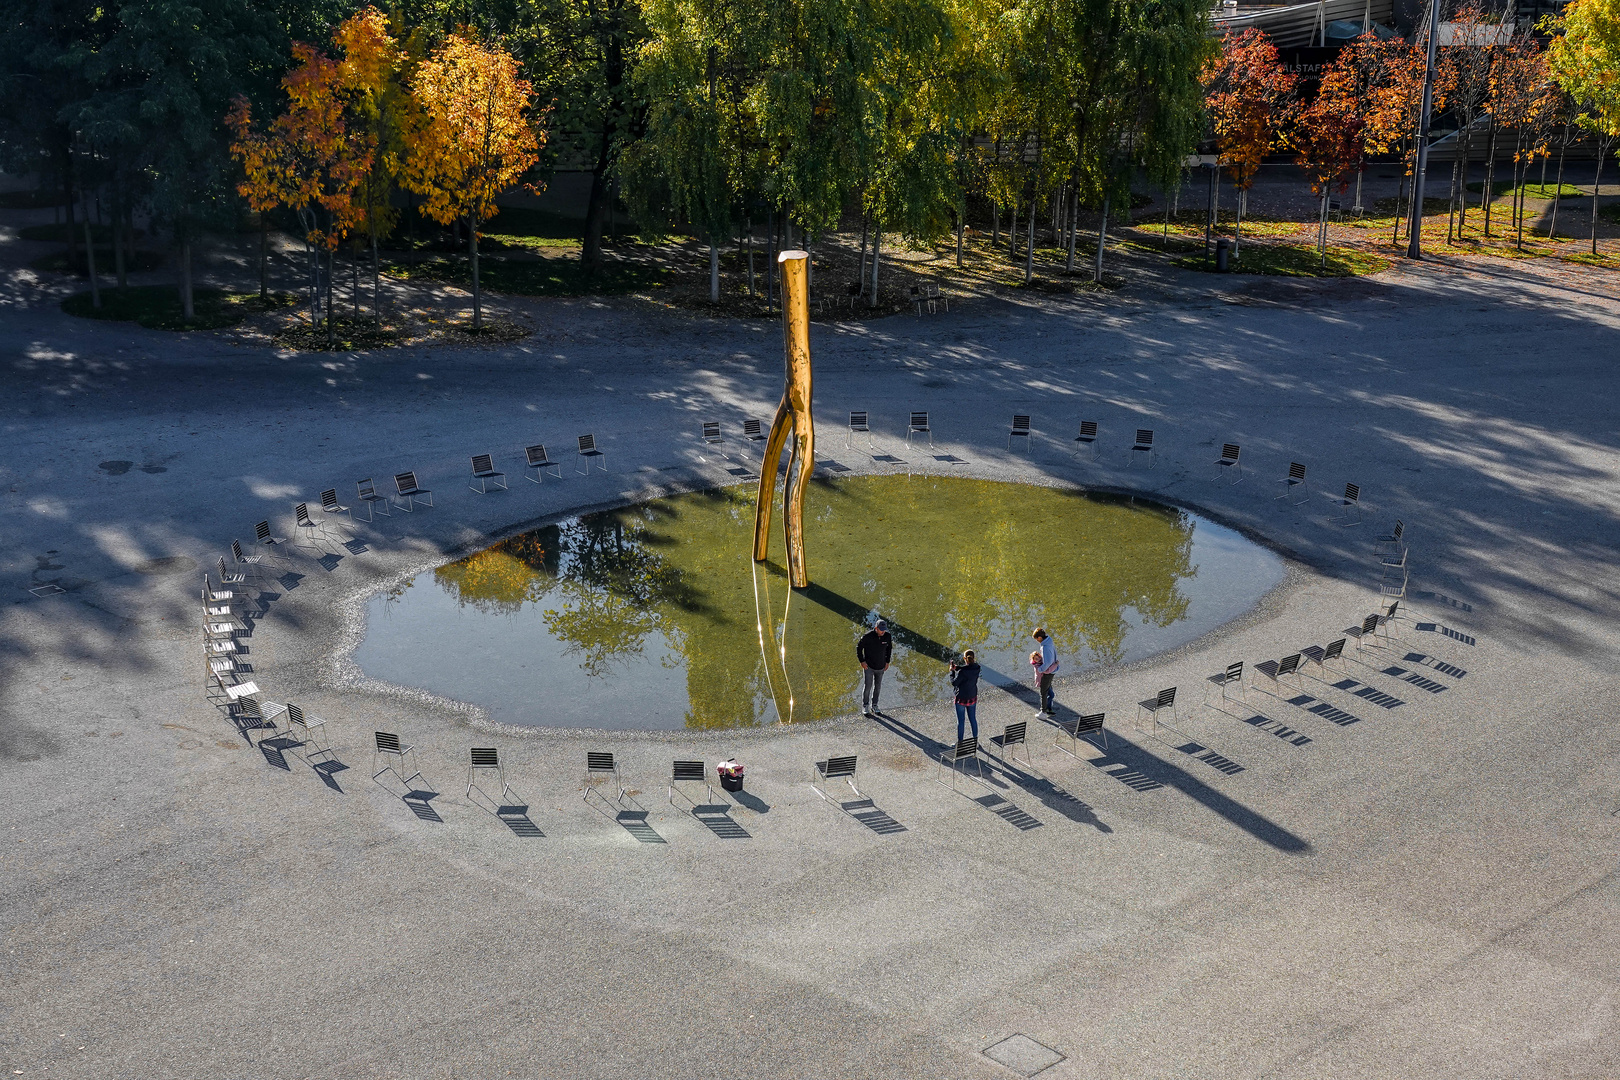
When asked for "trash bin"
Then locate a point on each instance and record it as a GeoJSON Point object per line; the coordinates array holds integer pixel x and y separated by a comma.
{"type": "Point", "coordinates": [731, 775]}
{"type": "Point", "coordinates": [1223, 250]}
{"type": "Point", "coordinates": [731, 783]}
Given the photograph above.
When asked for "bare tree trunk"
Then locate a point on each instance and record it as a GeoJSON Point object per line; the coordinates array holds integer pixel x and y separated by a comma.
{"type": "Point", "coordinates": [1102, 237]}
{"type": "Point", "coordinates": [1321, 229]}
{"type": "Point", "coordinates": [264, 248]}
{"type": "Point", "coordinates": [1237, 231]}
{"type": "Point", "coordinates": [90, 255]}
{"type": "Point", "coordinates": [748, 231]}
{"type": "Point", "coordinates": [376, 281]}
{"type": "Point", "coordinates": [119, 239]}
{"type": "Point", "coordinates": [472, 254]}
{"type": "Point", "coordinates": [354, 285]}
{"type": "Point", "coordinates": [1487, 196]}
{"type": "Point", "coordinates": [1558, 185]}
{"type": "Point", "coordinates": [959, 226]}
{"type": "Point", "coordinates": [1029, 242]}
{"type": "Point", "coordinates": [188, 307]}
{"type": "Point", "coordinates": [714, 270]}
{"type": "Point", "coordinates": [1400, 194]}
{"type": "Point", "coordinates": [331, 304]}
{"type": "Point", "coordinates": [1603, 148]}
{"type": "Point", "coordinates": [770, 257]}
{"type": "Point", "coordinates": [877, 243]}
{"type": "Point", "coordinates": [995, 224]}
{"type": "Point", "coordinates": [1074, 222]}
{"type": "Point", "coordinates": [861, 277]}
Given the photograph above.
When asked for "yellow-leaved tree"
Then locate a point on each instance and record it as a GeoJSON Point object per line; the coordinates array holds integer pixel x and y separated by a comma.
{"type": "Point", "coordinates": [1585, 61]}
{"type": "Point", "coordinates": [476, 139]}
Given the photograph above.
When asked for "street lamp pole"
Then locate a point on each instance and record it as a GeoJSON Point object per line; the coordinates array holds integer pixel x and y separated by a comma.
{"type": "Point", "coordinates": [1414, 232]}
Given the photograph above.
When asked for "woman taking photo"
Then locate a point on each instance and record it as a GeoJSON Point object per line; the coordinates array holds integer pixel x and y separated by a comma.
{"type": "Point", "coordinates": [965, 678]}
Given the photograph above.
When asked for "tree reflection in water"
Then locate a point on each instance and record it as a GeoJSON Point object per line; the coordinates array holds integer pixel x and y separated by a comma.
{"type": "Point", "coordinates": [955, 563]}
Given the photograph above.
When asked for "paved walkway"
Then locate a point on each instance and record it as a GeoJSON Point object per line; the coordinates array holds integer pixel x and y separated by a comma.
{"type": "Point", "coordinates": [1420, 889]}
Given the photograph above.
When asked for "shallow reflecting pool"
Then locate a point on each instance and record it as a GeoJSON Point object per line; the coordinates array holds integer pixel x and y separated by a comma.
{"type": "Point", "coordinates": [655, 616]}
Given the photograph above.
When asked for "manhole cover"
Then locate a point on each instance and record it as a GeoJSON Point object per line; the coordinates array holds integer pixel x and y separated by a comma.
{"type": "Point", "coordinates": [1023, 1055]}
{"type": "Point", "coordinates": [174, 564]}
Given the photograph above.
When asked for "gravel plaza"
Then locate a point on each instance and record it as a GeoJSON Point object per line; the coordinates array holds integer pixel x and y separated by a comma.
{"type": "Point", "coordinates": [1418, 889]}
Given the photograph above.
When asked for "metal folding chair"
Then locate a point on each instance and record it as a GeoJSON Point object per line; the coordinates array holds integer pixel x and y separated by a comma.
{"type": "Point", "coordinates": [1077, 728]}
{"type": "Point", "coordinates": [1350, 502]}
{"type": "Point", "coordinates": [366, 492]}
{"type": "Point", "coordinates": [834, 768]}
{"type": "Point", "coordinates": [1323, 655]}
{"type": "Point", "coordinates": [600, 767]}
{"type": "Point", "coordinates": [388, 745]}
{"type": "Point", "coordinates": [965, 750]}
{"type": "Point", "coordinates": [711, 432]}
{"type": "Point", "coordinates": [409, 490]}
{"type": "Point", "coordinates": [1225, 680]}
{"type": "Point", "coordinates": [307, 729]}
{"type": "Point", "coordinates": [1087, 439]}
{"type": "Point", "coordinates": [588, 453]}
{"type": "Point", "coordinates": [919, 426]}
{"type": "Point", "coordinates": [1230, 453]}
{"type": "Point", "coordinates": [1020, 428]}
{"type": "Point", "coordinates": [1392, 541]}
{"type": "Point", "coordinates": [253, 562]}
{"type": "Point", "coordinates": [1295, 478]}
{"type": "Point", "coordinates": [1363, 634]}
{"type": "Point", "coordinates": [1144, 445]}
{"type": "Point", "coordinates": [1164, 701]}
{"type": "Point", "coordinates": [1275, 672]}
{"type": "Point", "coordinates": [485, 473]}
{"type": "Point", "coordinates": [308, 526]}
{"type": "Point", "coordinates": [231, 577]}
{"type": "Point", "coordinates": [858, 425]}
{"type": "Point", "coordinates": [261, 534]}
{"type": "Point", "coordinates": [538, 462]}
{"type": "Point", "coordinates": [693, 772]}
{"type": "Point", "coordinates": [330, 505]}
{"type": "Point", "coordinates": [1014, 735]}
{"type": "Point", "coordinates": [752, 431]}
{"type": "Point", "coordinates": [486, 759]}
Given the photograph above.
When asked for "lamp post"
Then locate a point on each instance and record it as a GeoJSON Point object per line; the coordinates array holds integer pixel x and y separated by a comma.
{"type": "Point", "coordinates": [1414, 232]}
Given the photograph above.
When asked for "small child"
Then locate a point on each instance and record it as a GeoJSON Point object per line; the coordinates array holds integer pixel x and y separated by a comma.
{"type": "Point", "coordinates": [1035, 662]}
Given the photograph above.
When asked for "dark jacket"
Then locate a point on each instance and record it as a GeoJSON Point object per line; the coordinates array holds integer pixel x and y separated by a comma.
{"type": "Point", "coordinates": [875, 649]}
{"type": "Point", "coordinates": [966, 681]}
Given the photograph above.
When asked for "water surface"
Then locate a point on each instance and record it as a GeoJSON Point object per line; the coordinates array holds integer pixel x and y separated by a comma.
{"type": "Point", "coordinates": [655, 616]}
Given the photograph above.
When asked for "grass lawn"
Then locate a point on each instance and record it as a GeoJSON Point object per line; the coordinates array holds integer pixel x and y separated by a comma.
{"type": "Point", "coordinates": [1601, 259]}
{"type": "Point", "coordinates": [157, 307]}
{"type": "Point", "coordinates": [1533, 191]}
{"type": "Point", "coordinates": [535, 277]}
{"type": "Point", "coordinates": [1293, 260]}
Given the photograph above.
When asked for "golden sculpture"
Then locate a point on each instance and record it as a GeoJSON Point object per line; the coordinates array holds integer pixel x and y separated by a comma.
{"type": "Point", "coordinates": [794, 413]}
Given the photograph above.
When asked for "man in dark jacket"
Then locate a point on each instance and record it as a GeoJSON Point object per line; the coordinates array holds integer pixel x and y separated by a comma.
{"type": "Point", "coordinates": [874, 651]}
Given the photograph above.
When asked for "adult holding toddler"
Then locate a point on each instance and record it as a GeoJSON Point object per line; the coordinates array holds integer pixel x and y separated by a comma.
{"type": "Point", "coordinates": [965, 679]}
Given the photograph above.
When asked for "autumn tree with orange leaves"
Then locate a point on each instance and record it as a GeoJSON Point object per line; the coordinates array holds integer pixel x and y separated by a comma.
{"type": "Point", "coordinates": [476, 140]}
{"type": "Point", "coordinates": [1248, 93]}
{"type": "Point", "coordinates": [1326, 136]}
{"type": "Point", "coordinates": [312, 159]}
{"type": "Point", "coordinates": [376, 70]}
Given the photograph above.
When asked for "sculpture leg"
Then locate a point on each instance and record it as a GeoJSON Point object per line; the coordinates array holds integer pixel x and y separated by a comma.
{"type": "Point", "coordinates": [800, 467]}
{"type": "Point", "coordinates": [767, 478]}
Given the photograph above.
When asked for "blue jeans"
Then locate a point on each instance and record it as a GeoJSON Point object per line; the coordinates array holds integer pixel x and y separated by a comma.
{"type": "Point", "coordinates": [965, 715]}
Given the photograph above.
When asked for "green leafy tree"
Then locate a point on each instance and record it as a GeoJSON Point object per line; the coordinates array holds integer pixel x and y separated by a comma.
{"type": "Point", "coordinates": [1585, 62]}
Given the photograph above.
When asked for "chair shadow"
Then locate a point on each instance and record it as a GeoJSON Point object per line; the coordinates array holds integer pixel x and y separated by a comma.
{"type": "Point", "coordinates": [326, 770]}
{"type": "Point", "coordinates": [634, 822]}
{"type": "Point", "coordinates": [275, 750]}
{"type": "Point", "coordinates": [329, 561]}
{"type": "Point", "coordinates": [1008, 812]}
{"type": "Point", "coordinates": [516, 818]}
{"type": "Point", "coordinates": [355, 546]}
{"type": "Point", "coordinates": [871, 815]}
{"type": "Point", "coordinates": [289, 581]}
{"type": "Point", "coordinates": [421, 804]}
{"type": "Point", "coordinates": [717, 818]}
